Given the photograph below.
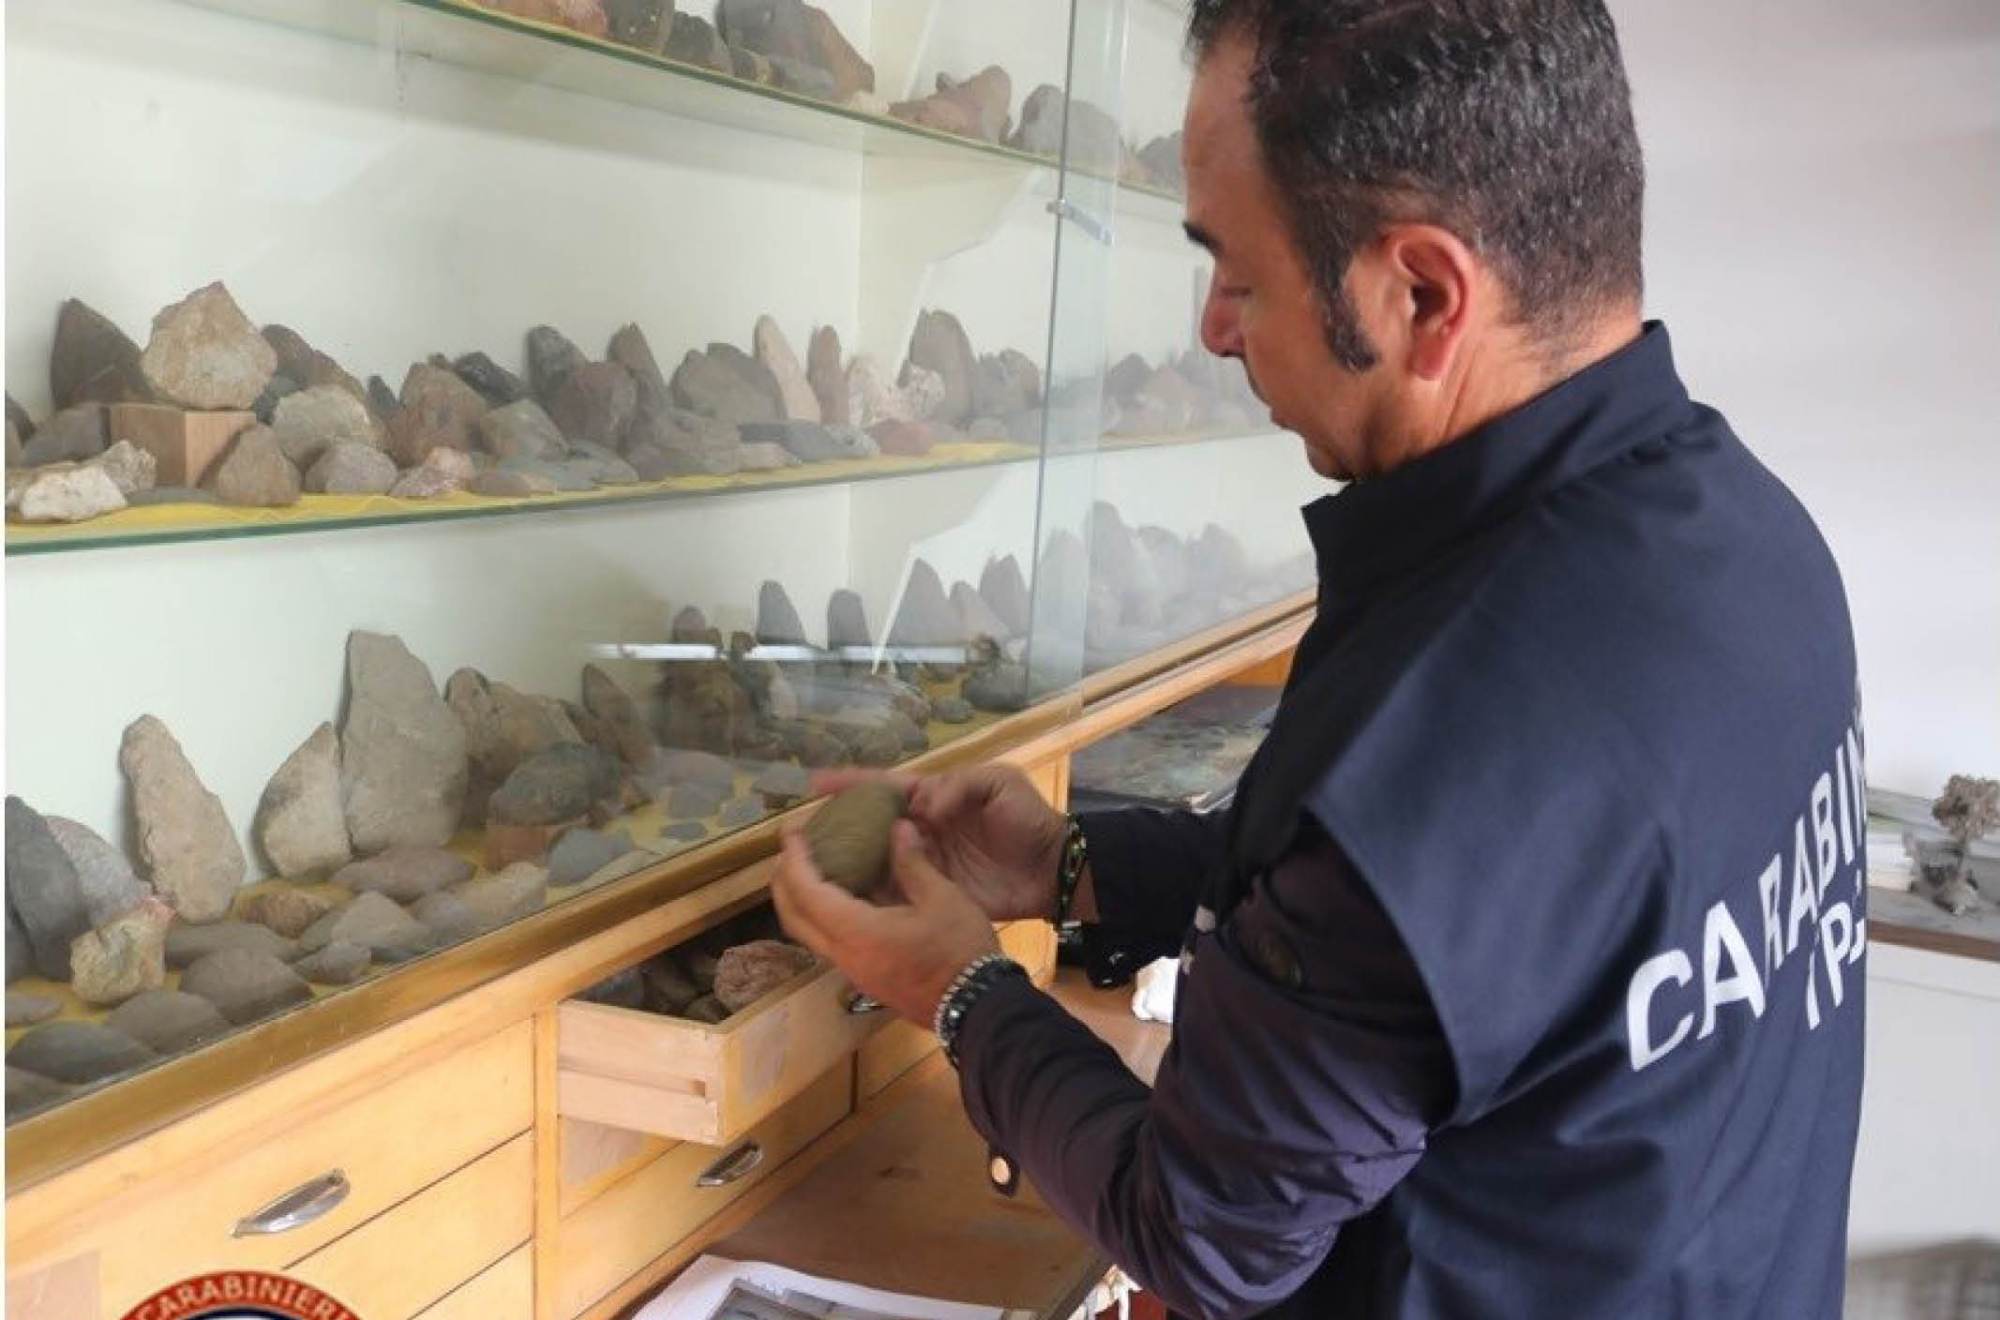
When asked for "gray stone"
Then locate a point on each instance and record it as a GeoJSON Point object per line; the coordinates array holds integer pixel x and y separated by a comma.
{"type": "Point", "coordinates": [443, 472]}
{"type": "Point", "coordinates": [622, 989]}
{"type": "Point", "coordinates": [255, 473]}
{"type": "Point", "coordinates": [803, 78]}
{"type": "Point", "coordinates": [694, 41]}
{"type": "Point", "coordinates": [1162, 159]}
{"type": "Point", "coordinates": [376, 923]}
{"type": "Point", "coordinates": [93, 361]}
{"type": "Point", "coordinates": [827, 376]}
{"type": "Point", "coordinates": [110, 887]}
{"type": "Point", "coordinates": [20, 954]}
{"type": "Point", "coordinates": [975, 617]}
{"type": "Point", "coordinates": [707, 1009]}
{"type": "Point", "coordinates": [535, 476]}
{"type": "Point", "coordinates": [491, 752]}
{"type": "Point", "coordinates": [339, 963]}
{"type": "Point", "coordinates": [668, 987]}
{"type": "Point", "coordinates": [777, 622]}
{"type": "Point", "coordinates": [287, 909]}
{"type": "Point", "coordinates": [1127, 377]}
{"type": "Point", "coordinates": [447, 917]}
{"type": "Point", "coordinates": [952, 710]}
{"type": "Point", "coordinates": [687, 831]}
{"type": "Point", "coordinates": [925, 616]}
{"type": "Point", "coordinates": [1005, 592]}
{"type": "Point", "coordinates": [346, 469]}
{"type": "Point", "coordinates": [301, 823]}
{"type": "Point", "coordinates": [810, 442]}
{"type": "Point", "coordinates": [205, 353]}
{"type": "Point", "coordinates": [30, 1093]}
{"type": "Point", "coordinates": [514, 483]}
{"type": "Point", "coordinates": [300, 362]}
{"type": "Point", "coordinates": [280, 388]}
{"type": "Point", "coordinates": [187, 945]}
{"type": "Point", "coordinates": [405, 874]}
{"type": "Point", "coordinates": [123, 957]}
{"type": "Point", "coordinates": [130, 468]}
{"type": "Point", "coordinates": [69, 495]}
{"type": "Point", "coordinates": [438, 411]}
{"type": "Point", "coordinates": [186, 843]}
{"type": "Point", "coordinates": [940, 344]}
{"type": "Point", "coordinates": [168, 1021]}
{"type": "Point", "coordinates": [382, 402]}
{"type": "Point", "coordinates": [25, 1010]}
{"type": "Point", "coordinates": [674, 442]}
{"type": "Point", "coordinates": [522, 430]}
{"type": "Point", "coordinates": [782, 786]}
{"type": "Point", "coordinates": [595, 404]}
{"type": "Point", "coordinates": [741, 813]}
{"type": "Point", "coordinates": [497, 385]}
{"type": "Point", "coordinates": [641, 23]}
{"type": "Point", "coordinates": [987, 97]}
{"type": "Point", "coordinates": [694, 801]}
{"type": "Point", "coordinates": [1006, 382]}
{"type": "Point", "coordinates": [998, 687]}
{"type": "Point", "coordinates": [727, 385]}
{"type": "Point", "coordinates": [795, 393]}
{"type": "Point", "coordinates": [1094, 141]}
{"type": "Point", "coordinates": [689, 767]}
{"type": "Point", "coordinates": [309, 423]}
{"type": "Point", "coordinates": [619, 867]}
{"type": "Point", "coordinates": [620, 714]}
{"type": "Point", "coordinates": [763, 457]}
{"type": "Point", "coordinates": [74, 435]}
{"type": "Point", "coordinates": [557, 784]}
{"type": "Point", "coordinates": [78, 1052]}
{"type": "Point", "coordinates": [551, 357]}
{"type": "Point", "coordinates": [494, 900]}
{"type": "Point", "coordinates": [601, 466]}
{"type": "Point", "coordinates": [403, 753]}
{"type": "Point", "coordinates": [751, 67]}
{"type": "Point", "coordinates": [847, 620]}
{"type": "Point", "coordinates": [580, 854]}
{"type": "Point", "coordinates": [245, 985]}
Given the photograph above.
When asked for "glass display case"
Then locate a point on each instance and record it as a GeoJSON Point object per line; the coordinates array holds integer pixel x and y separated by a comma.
{"type": "Point", "coordinates": [464, 454]}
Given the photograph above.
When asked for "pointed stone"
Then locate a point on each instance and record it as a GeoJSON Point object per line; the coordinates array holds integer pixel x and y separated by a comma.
{"type": "Point", "coordinates": [595, 404]}
{"type": "Point", "coordinates": [301, 823]}
{"type": "Point", "coordinates": [611, 704]}
{"type": "Point", "coordinates": [403, 752]}
{"type": "Point", "coordinates": [405, 875]}
{"type": "Point", "coordinates": [186, 842]}
{"type": "Point", "coordinates": [74, 435]}
{"type": "Point", "coordinates": [497, 385]}
{"type": "Point", "coordinates": [438, 411]}
{"type": "Point", "coordinates": [551, 357]}
{"type": "Point", "coordinates": [774, 351]}
{"type": "Point", "coordinates": [110, 886]}
{"type": "Point", "coordinates": [244, 985]}
{"type": "Point", "coordinates": [975, 617]}
{"type": "Point", "coordinates": [847, 621]}
{"type": "Point", "coordinates": [168, 1021]}
{"type": "Point", "coordinates": [1005, 592]}
{"type": "Point", "coordinates": [376, 923]}
{"type": "Point", "coordinates": [309, 368]}
{"type": "Point", "coordinates": [777, 621]}
{"type": "Point", "coordinates": [78, 1052]}
{"type": "Point", "coordinates": [925, 617]}
{"type": "Point", "coordinates": [940, 344]}
{"type": "Point", "coordinates": [93, 361]}
{"type": "Point", "coordinates": [188, 945]}
{"type": "Point", "coordinates": [827, 376]}
{"type": "Point", "coordinates": [205, 353]}
{"type": "Point", "coordinates": [43, 892]}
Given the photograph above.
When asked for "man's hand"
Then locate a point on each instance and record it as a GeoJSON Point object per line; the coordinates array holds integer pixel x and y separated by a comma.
{"type": "Point", "coordinates": [990, 832]}
{"type": "Point", "coordinates": [903, 955]}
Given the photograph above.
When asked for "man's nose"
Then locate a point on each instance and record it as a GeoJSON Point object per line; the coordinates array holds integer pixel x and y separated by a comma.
{"type": "Point", "coordinates": [1221, 330]}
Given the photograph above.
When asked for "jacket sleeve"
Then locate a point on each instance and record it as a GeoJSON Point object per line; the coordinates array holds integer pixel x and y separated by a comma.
{"type": "Point", "coordinates": [1306, 1070]}
{"type": "Point", "coordinates": [1147, 867]}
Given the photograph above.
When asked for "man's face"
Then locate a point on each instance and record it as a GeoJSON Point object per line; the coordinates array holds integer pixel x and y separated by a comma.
{"type": "Point", "coordinates": [1262, 305]}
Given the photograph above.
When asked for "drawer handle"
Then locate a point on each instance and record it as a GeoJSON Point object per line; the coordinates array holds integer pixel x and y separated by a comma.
{"type": "Point", "coordinates": [298, 1207]}
{"type": "Point", "coordinates": [862, 1004]}
{"type": "Point", "coordinates": [732, 1166]}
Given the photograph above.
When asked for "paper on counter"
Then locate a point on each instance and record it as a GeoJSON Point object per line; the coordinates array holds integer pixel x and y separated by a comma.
{"type": "Point", "coordinates": [701, 1290]}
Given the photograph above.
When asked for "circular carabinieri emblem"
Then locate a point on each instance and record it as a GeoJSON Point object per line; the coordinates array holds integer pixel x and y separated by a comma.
{"type": "Point", "coordinates": [240, 1295]}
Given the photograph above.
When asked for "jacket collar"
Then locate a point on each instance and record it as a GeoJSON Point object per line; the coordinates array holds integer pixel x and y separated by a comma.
{"type": "Point", "coordinates": [1376, 530]}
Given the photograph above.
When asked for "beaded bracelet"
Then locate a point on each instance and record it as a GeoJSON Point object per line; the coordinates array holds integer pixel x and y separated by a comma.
{"type": "Point", "coordinates": [1076, 856]}
{"type": "Point", "coordinates": [979, 976]}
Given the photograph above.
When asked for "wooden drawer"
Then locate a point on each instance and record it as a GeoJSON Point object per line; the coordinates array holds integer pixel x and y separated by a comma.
{"type": "Point", "coordinates": [390, 1141]}
{"type": "Point", "coordinates": [695, 1082]}
{"type": "Point", "coordinates": [645, 1213]}
{"type": "Point", "coordinates": [505, 1291]}
{"type": "Point", "coordinates": [401, 1262]}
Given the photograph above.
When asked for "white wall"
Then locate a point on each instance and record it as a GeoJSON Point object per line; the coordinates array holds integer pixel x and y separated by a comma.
{"type": "Point", "coordinates": [1824, 241]}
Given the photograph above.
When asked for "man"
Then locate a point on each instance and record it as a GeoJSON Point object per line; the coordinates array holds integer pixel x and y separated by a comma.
{"type": "Point", "coordinates": [1525, 976]}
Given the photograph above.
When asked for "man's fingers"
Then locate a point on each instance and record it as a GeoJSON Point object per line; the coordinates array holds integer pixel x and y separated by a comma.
{"type": "Point", "coordinates": [916, 875]}
{"type": "Point", "coordinates": [941, 797]}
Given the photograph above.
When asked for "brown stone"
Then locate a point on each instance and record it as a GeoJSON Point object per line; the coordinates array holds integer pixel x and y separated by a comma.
{"type": "Point", "coordinates": [255, 472]}
{"type": "Point", "coordinates": [287, 910]}
{"type": "Point", "coordinates": [307, 367]}
{"type": "Point", "coordinates": [124, 957]}
{"type": "Point", "coordinates": [827, 377]}
{"type": "Point", "coordinates": [595, 404]}
{"type": "Point", "coordinates": [905, 439]}
{"type": "Point", "coordinates": [438, 410]}
{"type": "Point", "coordinates": [940, 344]}
{"type": "Point", "coordinates": [93, 361]}
{"type": "Point", "coordinates": [205, 353]}
{"type": "Point", "coordinates": [795, 391]}
{"type": "Point", "coordinates": [746, 973]}
{"type": "Point", "coordinates": [585, 16]}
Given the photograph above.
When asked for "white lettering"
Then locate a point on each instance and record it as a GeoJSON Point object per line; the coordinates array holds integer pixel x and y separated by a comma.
{"type": "Point", "coordinates": [1656, 971]}
{"type": "Point", "coordinates": [1824, 841]}
{"type": "Point", "coordinates": [1805, 893]}
{"type": "Point", "coordinates": [1836, 937]}
{"type": "Point", "coordinates": [1719, 931]}
{"type": "Point", "coordinates": [1774, 935]}
{"type": "Point", "coordinates": [1857, 777]}
{"type": "Point", "coordinates": [1846, 807]}
{"type": "Point", "coordinates": [1812, 990]}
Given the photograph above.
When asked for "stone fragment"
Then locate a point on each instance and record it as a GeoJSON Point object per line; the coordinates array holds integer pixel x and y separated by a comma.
{"type": "Point", "coordinates": [376, 923]}
{"type": "Point", "coordinates": [939, 344]}
{"type": "Point", "coordinates": [726, 385]}
{"type": "Point", "coordinates": [68, 495]}
{"type": "Point", "coordinates": [694, 41]}
{"type": "Point", "coordinates": [748, 972]}
{"type": "Point", "coordinates": [580, 854]}
{"type": "Point", "coordinates": [585, 16]}
{"type": "Point", "coordinates": [707, 1009]}
{"type": "Point", "coordinates": [522, 430]}
{"type": "Point", "coordinates": [491, 755]}
{"type": "Point", "coordinates": [940, 114]}
{"type": "Point", "coordinates": [74, 435]}
{"type": "Point", "coordinates": [904, 439]}
{"type": "Point", "coordinates": [513, 484]}
{"type": "Point", "coordinates": [349, 469]}
{"type": "Point", "coordinates": [1094, 139]}
{"type": "Point", "coordinates": [782, 786]}
{"type": "Point", "coordinates": [187, 945]}
{"type": "Point", "coordinates": [447, 917]}
{"type": "Point", "coordinates": [305, 366]}
{"type": "Point", "coordinates": [30, 1093]}
{"type": "Point", "coordinates": [286, 910]}
{"type": "Point", "coordinates": [925, 616]}
{"type": "Point", "coordinates": [405, 875]}
{"type": "Point", "coordinates": [640, 23]}
{"type": "Point", "coordinates": [741, 813]}
{"type": "Point", "coordinates": [953, 710]}
{"type": "Point", "coordinates": [595, 404]}
{"type": "Point", "coordinates": [777, 621]}
{"type": "Point", "coordinates": [439, 410]}
{"type": "Point", "coordinates": [871, 399]}
{"type": "Point", "coordinates": [245, 985]}
{"type": "Point", "coordinates": [998, 688]}
{"type": "Point", "coordinates": [339, 963]}
{"type": "Point", "coordinates": [691, 625]}
{"type": "Point", "coordinates": [109, 886]}
{"type": "Point", "coordinates": [518, 891]}
{"type": "Point", "coordinates": [20, 954]}
{"type": "Point", "coordinates": [668, 988]}
{"type": "Point", "coordinates": [694, 801]}
{"type": "Point", "coordinates": [849, 836]}
{"type": "Point", "coordinates": [123, 957]}
{"type": "Point", "coordinates": [811, 442]}
{"type": "Point", "coordinates": [19, 423]}
{"type": "Point", "coordinates": [443, 472]}
{"type": "Point", "coordinates": [795, 392]}
{"type": "Point", "coordinates": [620, 714]}
{"type": "Point", "coordinates": [764, 457]}
{"type": "Point", "coordinates": [93, 361]}
{"type": "Point", "coordinates": [600, 465]}
{"type": "Point", "coordinates": [975, 617]}
{"type": "Point", "coordinates": [25, 1010]}
{"type": "Point", "coordinates": [1006, 382]}
{"type": "Point", "coordinates": [1005, 591]}
{"type": "Point", "coordinates": [751, 67]}
{"type": "Point", "coordinates": [693, 767]}
{"type": "Point", "coordinates": [494, 383]}
{"type": "Point", "coordinates": [403, 754]}
{"type": "Point", "coordinates": [987, 96]}
{"type": "Point", "coordinates": [674, 442]}
{"type": "Point", "coordinates": [847, 621]}
{"type": "Point", "coordinates": [168, 1021]}
{"type": "Point", "coordinates": [624, 989]}
{"type": "Point", "coordinates": [827, 377]}
{"type": "Point", "coordinates": [923, 390]}
{"type": "Point", "coordinates": [830, 50]}
{"type": "Point", "coordinates": [557, 784]}
{"type": "Point", "coordinates": [130, 468]}
{"type": "Point", "coordinates": [551, 357]}
{"type": "Point", "coordinates": [1162, 160]}
{"type": "Point", "coordinates": [255, 473]}
{"type": "Point", "coordinates": [301, 824]}
{"type": "Point", "coordinates": [619, 867]}
{"type": "Point", "coordinates": [205, 353]}
{"type": "Point", "coordinates": [686, 831]}
{"type": "Point", "coordinates": [186, 842]}
{"type": "Point", "coordinates": [382, 402]}
{"type": "Point", "coordinates": [77, 1052]}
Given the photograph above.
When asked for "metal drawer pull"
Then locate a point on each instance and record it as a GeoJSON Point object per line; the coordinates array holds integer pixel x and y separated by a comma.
{"type": "Point", "coordinates": [298, 1207]}
{"type": "Point", "coordinates": [732, 1166]}
{"type": "Point", "coordinates": [863, 1004]}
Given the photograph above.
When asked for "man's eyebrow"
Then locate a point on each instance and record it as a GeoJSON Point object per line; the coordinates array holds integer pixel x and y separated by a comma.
{"type": "Point", "coordinates": [1202, 238]}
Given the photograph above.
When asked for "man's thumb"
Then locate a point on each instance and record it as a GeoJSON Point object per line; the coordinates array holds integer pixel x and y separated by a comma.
{"type": "Point", "coordinates": [915, 875]}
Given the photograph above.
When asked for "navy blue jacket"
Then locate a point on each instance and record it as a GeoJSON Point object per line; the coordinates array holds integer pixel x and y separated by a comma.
{"type": "Point", "coordinates": [1525, 976]}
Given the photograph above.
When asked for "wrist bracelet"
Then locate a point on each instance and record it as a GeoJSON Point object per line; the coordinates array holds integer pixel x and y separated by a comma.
{"type": "Point", "coordinates": [1075, 856]}
{"type": "Point", "coordinates": [979, 976]}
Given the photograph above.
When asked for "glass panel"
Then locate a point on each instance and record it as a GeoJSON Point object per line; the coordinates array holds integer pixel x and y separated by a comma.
{"type": "Point", "coordinates": [766, 371]}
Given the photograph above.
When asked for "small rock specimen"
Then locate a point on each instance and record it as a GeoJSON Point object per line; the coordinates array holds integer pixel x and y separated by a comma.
{"type": "Point", "coordinates": [626, 989]}
{"type": "Point", "coordinates": [78, 1052]}
{"type": "Point", "coordinates": [999, 687]}
{"type": "Point", "coordinates": [940, 344]}
{"type": "Point", "coordinates": [518, 891]}
{"type": "Point", "coordinates": [1007, 382]}
{"type": "Point", "coordinates": [741, 813]}
{"type": "Point", "coordinates": [286, 910]}
{"type": "Point", "coordinates": [904, 439]}
{"type": "Point", "coordinates": [301, 823]}
{"type": "Point", "coordinates": [871, 399]}
{"type": "Point", "coordinates": [185, 839]}
{"type": "Point", "coordinates": [497, 385]}
{"type": "Point", "coordinates": [847, 621]}
{"type": "Point", "coordinates": [513, 485]}
{"type": "Point", "coordinates": [764, 457]}
{"type": "Point", "coordinates": [620, 715]}
{"type": "Point", "coordinates": [668, 988]}
{"type": "Point", "coordinates": [245, 985]}
{"type": "Point", "coordinates": [168, 1021]}
{"type": "Point", "coordinates": [782, 786]}
{"type": "Point", "coordinates": [810, 442]}
{"type": "Point", "coordinates": [556, 784]}
{"type": "Point", "coordinates": [310, 422]}
{"type": "Point", "coordinates": [748, 972]}
{"type": "Point", "coordinates": [255, 472]}
{"type": "Point", "coordinates": [1005, 592]}
{"type": "Point", "coordinates": [405, 874]}
{"type": "Point", "coordinates": [25, 1010]}
{"type": "Point", "coordinates": [694, 801]}
{"type": "Point", "coordinates": [1162, 160]}
{"type": "Point", "coordinates": [339, 963]}
{"type": "Point", "coordinates": [447, 918]}
{"type": "Point", "coordinates": [674, 442]}
{"type": "Point", "coordinates": [74, 435]}
{"type": "Point", "coordinates": [849, 836]}
{"type": "Point", "coordinates": [187, 945]}
{"type": "Point", "coordinates": [522, 430]}
{"type": "Point", "coordinates": [707, 1009]}
{"type": "Point", "coordinates": [976, 107]}
{"type": "Point", "coordinates": [403, 752]}
{"type": "Point", "coordinates": [925, 617]}
{"type": "Point", "coordinates": [374, 922]}
{"type": "Point", "coordinates": [777, 621]}
{"type": "Point", "coordinates": [725, 384]}
{"type": "Point", "coordinates": [827, 377]}
{"type": "Point", "coordinates": [953, 710]}
{"type": "Point", "coordinates": [691, 767]}
{"type": "Point", "coordinates": [110, 887]}
{"type": "Point", "coordinates": [641, 23]}
{"type": "Point", "coordinates": [694, 41]}
{"type": "Point", "coordinates": [790, 32]}
{"type": "Point", "coordinates": [1093, 135]}
{"type": "Point", "coordinates": [585, 16]}
{"type": "Point", "coordinates": [595, 404]}
{"type": "Point", "coordinates": [30, 1093]}
{"type": "Point", "coordinates": [442, 472]}
{"type": "Point", "coordinates": [795, 391]}
{"type": "Point", "coordinates": [69, 495]}
{"type": "Point", "coordinates": [975, 617]}
{"type": "Point", "coordinates": [620, 867]}
{"type": "Point", "coordinates": [205, 353]}
{"type": "Point", "coordinates": [44, 894]}
{"type": "Point", "coordinates": [582, 853]}
{"type": "Point", "coordinates": [132, 469]}
{"type": "Point", "coordinates": [306, 366]}
{"type": "Point", "coordinates": [551, 357]}
{"type": "Point", "coordinates": [123, 957]}
{"type": "Point", "coordinates": [439, 410]}
{"type": "Point", "coordinates": [93, 361]}
{"type": "Point", "coordinates": [346, 469]}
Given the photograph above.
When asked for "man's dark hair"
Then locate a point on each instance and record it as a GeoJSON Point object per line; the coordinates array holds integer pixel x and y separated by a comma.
{"type": "Point", "coordinates": [1508, 122]}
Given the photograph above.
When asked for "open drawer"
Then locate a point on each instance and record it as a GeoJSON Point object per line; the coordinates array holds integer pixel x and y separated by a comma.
{"type": "Point", "coordinates": [692, 1081]}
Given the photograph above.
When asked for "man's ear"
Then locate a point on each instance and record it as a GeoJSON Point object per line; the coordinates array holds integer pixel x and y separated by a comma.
{"type": "Point", "coordinates": [1439, 290]}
